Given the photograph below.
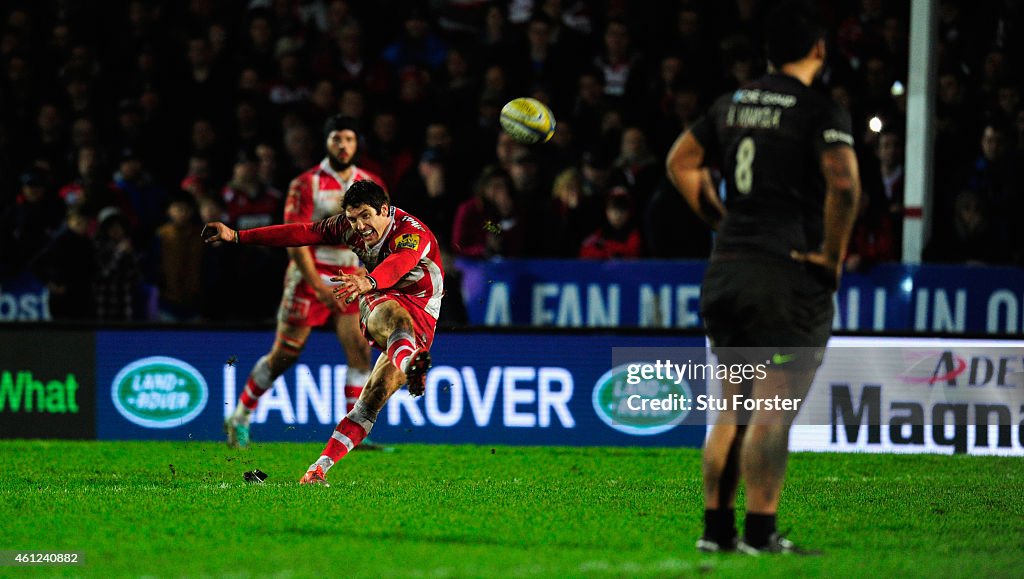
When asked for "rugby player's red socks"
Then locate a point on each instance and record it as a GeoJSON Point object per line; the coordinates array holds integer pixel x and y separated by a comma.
{"type": "Point", "coordinates": [258, 383]}
{"type": "Point", "coordinates": [351, 431]}
{"type": "Point", "coordinates": [347, 435]}
{"type": "Point", "coordinates": [354, 382]}
{"type": "Point", "coordinates": [352, 394]}
{"type": "Point", "coordinates": [401, 345]}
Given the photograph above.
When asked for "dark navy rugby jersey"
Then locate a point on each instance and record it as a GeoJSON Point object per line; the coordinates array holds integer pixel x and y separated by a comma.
{"type": "Point", "coordinates": [768, 137]}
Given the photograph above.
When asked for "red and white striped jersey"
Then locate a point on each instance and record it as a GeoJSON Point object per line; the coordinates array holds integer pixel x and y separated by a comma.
{"type": "Point", "coordinates": [317, 194]}
{"type": "Point", "coordinates": [406, 259]}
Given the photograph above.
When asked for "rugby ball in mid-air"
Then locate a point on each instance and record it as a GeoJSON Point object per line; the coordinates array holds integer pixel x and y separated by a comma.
{"type": "Point", "coordinates": [528, 121]}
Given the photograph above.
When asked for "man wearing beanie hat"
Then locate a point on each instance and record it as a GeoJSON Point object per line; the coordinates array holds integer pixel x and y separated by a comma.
{"type": "Point", "coordinates": [308, 300]}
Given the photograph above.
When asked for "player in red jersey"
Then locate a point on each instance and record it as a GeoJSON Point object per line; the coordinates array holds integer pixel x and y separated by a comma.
{"type": "Point", "coordinates": [399, 298]}
{"type": "Point", "coordinates": [308, 301]}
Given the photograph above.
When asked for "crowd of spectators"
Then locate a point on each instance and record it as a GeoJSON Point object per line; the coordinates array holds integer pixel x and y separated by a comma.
{"type": "Point", "coordinates": [125, 124]}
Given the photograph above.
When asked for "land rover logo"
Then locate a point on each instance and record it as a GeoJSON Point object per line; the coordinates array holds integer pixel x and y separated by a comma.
{"type": "Point", "coordinates": [159, 392]}
{"type": "Point", "coordinates": [611, 394]}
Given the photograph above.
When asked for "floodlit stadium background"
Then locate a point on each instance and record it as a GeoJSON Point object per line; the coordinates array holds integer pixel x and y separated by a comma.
{"type": "Point", "coordinates": [122, 108]}
{"type": "Point", "coordinates": [523, 458]}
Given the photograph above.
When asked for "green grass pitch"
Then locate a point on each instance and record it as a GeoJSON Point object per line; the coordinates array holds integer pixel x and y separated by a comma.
{"type": "Point", "coordinates": [463, 511]}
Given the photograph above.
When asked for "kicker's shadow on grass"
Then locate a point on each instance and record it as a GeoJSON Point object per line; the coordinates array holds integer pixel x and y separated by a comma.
{"type": "Point", "coordinates": [321, 531]}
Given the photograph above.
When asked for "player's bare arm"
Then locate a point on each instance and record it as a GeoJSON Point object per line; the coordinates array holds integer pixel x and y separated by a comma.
{"type": "Point", "coordinates": [842, 193]}
{"type": "Point", "coordinates": [685, 170]}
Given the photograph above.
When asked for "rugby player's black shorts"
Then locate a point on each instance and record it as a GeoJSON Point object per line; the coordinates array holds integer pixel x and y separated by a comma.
{"type": "Point", "coordinates": [780, 309]}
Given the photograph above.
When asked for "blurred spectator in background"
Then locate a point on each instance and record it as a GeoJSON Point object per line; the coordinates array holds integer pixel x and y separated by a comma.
{"type": "Point", "coordinates": [185, 87]}
{"type": "Point", "coordinates": [689, 40]}
{"type": "Point", "coordinates": [596, 173]}
{"type": "Point", "coordinates": [353, 104]}
{"type": "Point", "coordinates": [539, 62]}
{"type": "Point", "coordinates": [413, 107]}
{"type": "Point", "coordinates": [386, 155]}
{"type": "Point", "coordinates": [861, 32]}
{"type": "Point", "coordinates": [257, 49]}
{"type": "Point", "coordinates": [269, 171]}
{"type": "Point", "coordinates": [738, 63]}
{"type": "Point", "coordinates": [969, 237]}
{"type": "Point", "coordinates": [347, 63]}
{"type": "Point", "coordinates": [180, 261]}
{"type": "Point", "coordinates": [83, 134]}
{"type": "Point", "coordinates": [994, 178]}
{"type": "Point", "coordinates": [417, 45]}
{"type": "Point", "coordinates": [67, 266]}
{"type": "Point", "coordinates": [147, 199]}
{"type": "Point", "coordinates": [92, 189]}
{"type": "Point", "coordinates": [323, 103]}
{"type": "Point", "coordinates": [876, 92]}
{"type": "Point", "coordinates": [218, 278]}
{"type": "Point", "coordinates": [26, 226]}
{"type": "Point", "coordinates": [290, 86]}
{"type": "Point", "coordinates": [618, 237]}
{"type": "Point", "coordinates": [129, 127]}
{"type": "Point", "coordinates": [424, 192]}
{"type": "Point", "coordinates": [525, 175]}
{"type": "Point", "coordinates": [505, 149]}
{"type": "Point", "coordinates": [488, 224]}
{"type": "Point", "coordinates": [205, 142]}
{"type": "Point", "coordinates": [198, 181]}
{"type": "Point", "coordinates": [49, 139]}
{"type": "Point", "coordinates": [637, 168]}
{"type": "Point", "coordinates": [569, 218]}
{"type": "Point", "coordinates": [995, 70]}
{"type": "Point", "coordinates": [453, 307]}
{"type": "Point", "coordinates": [874, 237]}
{"type": "Point", "coordinates": [118, 275]}
{"type": "Point", "coordinates": [300, 149]}
{"type": "Point", "coordinates": [249, 129]}
{"type": "Point", "coordinates": [485, 132]}
{"type": "Point", "coordinates": [882, 182]}
{"type": "Point", "coordinates": [895, 45]}
{"type": "Point", "coordinates": [457, 90]}
{"type": "Point", "coordinates": [457, 172]}
{"type": "Point", "coordinates": [204, 82]}
{"type": "Point", "coordinates": [496, 43]}
{"type": "Point", "coordinates": [992, 174]}
{"type": "Point", "coordinates": [620, 64]}
{"type": "Point", "coordinates": [496, 83]}
{"type": "Point", "coordinates": [589, 105]}
{"type": "Point", "coordinates": [250, 201]}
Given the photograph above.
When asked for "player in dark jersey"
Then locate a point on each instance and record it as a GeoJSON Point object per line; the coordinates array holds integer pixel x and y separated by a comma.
{"type": "Point", "coordinates": [792, 188]}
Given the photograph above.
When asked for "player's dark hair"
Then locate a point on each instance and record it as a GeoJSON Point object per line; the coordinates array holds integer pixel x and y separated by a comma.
{"type": "Point", "coordinates": [365, 193]}
{"type": "Point", "coordinates": [340, 123]}
{"type": "Point", "coordinates": [791, 30]}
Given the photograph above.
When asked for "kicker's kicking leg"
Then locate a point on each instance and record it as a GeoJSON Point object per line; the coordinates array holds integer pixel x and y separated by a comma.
{"type": "Point", "coordinates": [389, 323]}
